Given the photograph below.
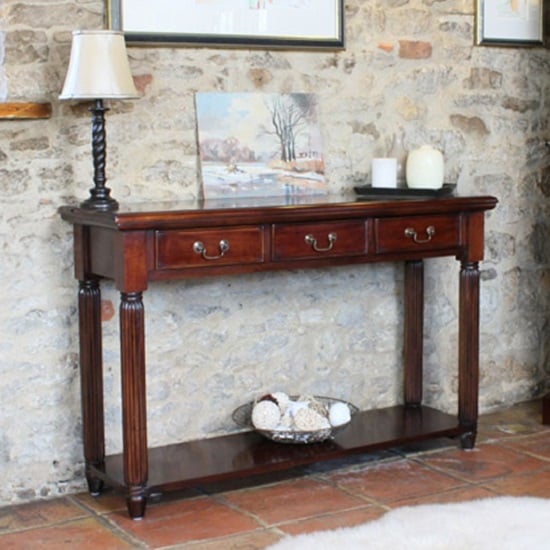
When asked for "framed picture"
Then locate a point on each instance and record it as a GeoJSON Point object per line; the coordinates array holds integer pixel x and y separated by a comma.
{"type": "Point", "coordinates": [259, 145]}
{"type": "Point", "coordinates": [509, 22]}
{"type": "Point", "coordinates": [244, 23]}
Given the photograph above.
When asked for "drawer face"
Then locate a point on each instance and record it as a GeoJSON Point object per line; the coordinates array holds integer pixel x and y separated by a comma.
{"type": "Point", "coordinates": [416, 233]}
{"type": "Point", "coordinates": [208, 247]}
{"type": "Point", "coordinates": [318, 240]}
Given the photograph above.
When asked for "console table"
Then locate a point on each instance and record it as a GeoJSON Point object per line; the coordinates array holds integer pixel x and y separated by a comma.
{"type": "Point", "coordinates": [148, 242]}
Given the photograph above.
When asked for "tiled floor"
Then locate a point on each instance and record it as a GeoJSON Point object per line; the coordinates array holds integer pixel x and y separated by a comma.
{"type": "Point", "coordinates": [512, 458]}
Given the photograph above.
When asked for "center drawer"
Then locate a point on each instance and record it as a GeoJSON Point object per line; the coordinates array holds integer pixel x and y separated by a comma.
{"type": "Point", "coordinates": [208, 247]}
{"type": "Point", "coordinates": [318, 240]}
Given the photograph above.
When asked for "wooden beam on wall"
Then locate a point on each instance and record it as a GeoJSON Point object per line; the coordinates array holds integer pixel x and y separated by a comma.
{"type": "Point", "coordinates": [28, 110]}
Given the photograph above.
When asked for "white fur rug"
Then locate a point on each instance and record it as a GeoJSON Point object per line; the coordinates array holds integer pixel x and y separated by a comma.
{"type": "Point", "coordinates": [501, 523]}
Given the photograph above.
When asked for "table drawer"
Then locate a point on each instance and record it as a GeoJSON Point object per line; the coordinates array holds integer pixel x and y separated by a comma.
{"type": "Point", "coordinates": [318, 240]}
{"type": "Point", "coordinates": [413, 233]}
{"type": "Point", "coordinates": [208, 247]}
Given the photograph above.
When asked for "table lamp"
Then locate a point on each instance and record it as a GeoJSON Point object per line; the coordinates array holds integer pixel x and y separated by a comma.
{"type": "Point", "coordinates": [98, 70]}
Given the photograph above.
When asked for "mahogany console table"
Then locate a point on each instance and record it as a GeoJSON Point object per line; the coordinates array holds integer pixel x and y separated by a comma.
{"type": "Point", "coordinates": [148, 242]}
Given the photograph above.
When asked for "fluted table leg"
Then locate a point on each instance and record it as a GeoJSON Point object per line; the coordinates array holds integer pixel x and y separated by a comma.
{"type": "Point", "coordinates": [134, 409]}
{"type": "Point", "coordinates": [91, 380]}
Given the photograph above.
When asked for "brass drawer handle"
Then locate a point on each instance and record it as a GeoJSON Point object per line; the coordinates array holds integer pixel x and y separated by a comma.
{"type": "Point", "coordinates": [311, 240]}
{"type": "Point", "coordinates": [199, 248]}
{"type": "Point", "coordinates": [430, 232]}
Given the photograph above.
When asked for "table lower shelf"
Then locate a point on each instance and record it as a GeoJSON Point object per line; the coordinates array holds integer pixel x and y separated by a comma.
{"type": "Point", "coordinates": [246, 454]}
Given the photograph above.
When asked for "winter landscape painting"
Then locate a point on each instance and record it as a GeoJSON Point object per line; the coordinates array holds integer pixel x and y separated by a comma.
{"type": "Point", "coordinates": [259, 145]}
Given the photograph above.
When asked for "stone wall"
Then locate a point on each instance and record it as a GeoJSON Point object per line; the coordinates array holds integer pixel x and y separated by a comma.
{"type": "Point", "coordinates": [213, 344]}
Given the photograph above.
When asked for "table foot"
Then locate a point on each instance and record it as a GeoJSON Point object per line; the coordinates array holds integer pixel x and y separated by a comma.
{"type": "Point", "coordinates": [136, 505]}
{"type": "Point", "coordinates": [468, 440]}
{"type": "Point", "coordinates": [95, 486]}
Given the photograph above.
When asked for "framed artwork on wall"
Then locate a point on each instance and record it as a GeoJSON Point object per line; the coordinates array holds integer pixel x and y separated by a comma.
{"type": "Point", "coordinates": [509, 22]}
{"type": "Point", "coordinates": [238, 23]}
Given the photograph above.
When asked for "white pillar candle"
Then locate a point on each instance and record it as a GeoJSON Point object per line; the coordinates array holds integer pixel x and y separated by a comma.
{"type": "Point", "coordinates": [384, 172]}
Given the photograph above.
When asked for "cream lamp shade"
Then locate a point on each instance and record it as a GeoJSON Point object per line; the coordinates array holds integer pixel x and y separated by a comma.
{"type": "Point", "coordinates": [98, 67]}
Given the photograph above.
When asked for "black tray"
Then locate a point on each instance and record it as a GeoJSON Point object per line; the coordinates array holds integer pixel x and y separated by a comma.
{"type": "Point", "coordinates": [367, 191]}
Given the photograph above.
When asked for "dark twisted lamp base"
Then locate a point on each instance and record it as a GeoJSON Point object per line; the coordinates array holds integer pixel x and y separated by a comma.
{"type": "Point", "coordinates": [100, 198]}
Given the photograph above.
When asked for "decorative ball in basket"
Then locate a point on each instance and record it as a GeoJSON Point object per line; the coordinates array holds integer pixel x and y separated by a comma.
{"type": "Point", "coordinates": [295, 419]}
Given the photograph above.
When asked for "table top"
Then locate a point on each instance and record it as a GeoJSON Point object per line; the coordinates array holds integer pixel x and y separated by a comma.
{"type": "Point", "coordinates": [145, 215]}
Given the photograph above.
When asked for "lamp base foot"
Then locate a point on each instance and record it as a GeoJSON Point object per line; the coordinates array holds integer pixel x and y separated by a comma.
{"type": "Point", "coordinates": [106, 204]}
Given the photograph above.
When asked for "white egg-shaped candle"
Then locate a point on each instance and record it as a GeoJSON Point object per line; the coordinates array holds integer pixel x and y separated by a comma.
{"type": "Point", "coordinates": [425, 168]}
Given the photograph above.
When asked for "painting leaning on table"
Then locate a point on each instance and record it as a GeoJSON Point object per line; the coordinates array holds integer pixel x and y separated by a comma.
{"type": "Point", "coordinates": [259, 145]}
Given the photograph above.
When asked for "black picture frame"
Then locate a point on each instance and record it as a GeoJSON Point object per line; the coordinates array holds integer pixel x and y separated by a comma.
{"type": "Point", "coordinates": [156, 33]}
{"type": "Point", "coordinates": [522, 25]}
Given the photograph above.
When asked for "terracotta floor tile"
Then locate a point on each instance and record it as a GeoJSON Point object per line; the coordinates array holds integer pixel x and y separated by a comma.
{"type": "Point", "coordinates": [484, 462]}
{"type": "Point", "coordinates": [102, 504]}
{"type": "Point", "coordinates": [535, 484]}
{"type": "Point", "coordinates": [523, 418]}
{"type": "Point", "coordinates": [257, 540]}
{"type": "Point", "coordinates": [294, 499]}
{"type": "Point", "coordinates": [176, 522]}
{"type": "Point", "coordinates": [84, 534]}
{"type": "Point", "coordinates": [349, 518]}
{"type": "Point", "coordinates": [38, 514]}
{"type": "Point", "coordinates": [470, 492]}
{"type": "Point", "coordinates": [537, 445]}
{"type": "Point", "coordinates": [396, 480]}
{"type": "Point", "coordinates": [111, 501]}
